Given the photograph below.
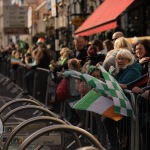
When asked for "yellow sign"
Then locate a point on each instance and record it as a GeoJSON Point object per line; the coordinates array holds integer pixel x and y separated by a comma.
{"type": "Point", "coordinates": [135, 39]}
{"type": "Point", "coordinates": [77, 21]}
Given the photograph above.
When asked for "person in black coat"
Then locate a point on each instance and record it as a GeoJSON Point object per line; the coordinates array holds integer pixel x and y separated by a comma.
{"type": "Point", "coordinates": [80, 51]}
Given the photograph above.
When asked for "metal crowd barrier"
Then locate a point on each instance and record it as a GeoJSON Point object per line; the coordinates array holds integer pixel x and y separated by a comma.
{"type": "Point", "coordinates": [58, 128]}
{"type": "Point", "coordinates": [132, 99]}
{"type": "Point", "coordinates": [5, 67]}
{"type": "Point", "coordinates": [27, 123]}
{"type": "Point", "coordinates": [20, 81]}
{"type": "Point", "coordinates": [8, 125]}
{"type": "Point", "coordinates": [42, 90]}
{"type": "Point", "coordinates": [43, 85]}
{"type": "Point", "coordinates": [142, 136]}
{"type": "Point", "coordinates": [40, 86]}
{"type": "Point", "coordinates": [135, 130]}
{"type": "Point", "coordinates": [124, 129]}
{"type": "Point", "coordinates": [13, 139]}
{"type": "Point", "coordinates": [127, 126]}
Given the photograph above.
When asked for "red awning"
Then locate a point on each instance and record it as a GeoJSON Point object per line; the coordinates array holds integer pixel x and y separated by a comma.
{"type": "Point", "coordinates": [103, 18]}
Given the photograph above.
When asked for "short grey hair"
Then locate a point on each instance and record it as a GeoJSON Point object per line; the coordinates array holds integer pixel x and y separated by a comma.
{"type": "Point", "coordinates": [127, 54]}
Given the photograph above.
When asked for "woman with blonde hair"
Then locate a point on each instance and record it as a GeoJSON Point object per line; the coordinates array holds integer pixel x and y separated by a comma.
{"type": "Point", "coordinates": [61, 64]}
{"type": "Point", "coordinates": [122, 42]}
{"type": "Point", "coordinates": [64, 53]}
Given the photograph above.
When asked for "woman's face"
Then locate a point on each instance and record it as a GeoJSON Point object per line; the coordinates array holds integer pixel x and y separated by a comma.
{"type": "Point", "coordinates": [122, 61]}
{"type": "Point", "coordinates": [91, 51]}
{"type": "Point", "coordinates": [140, 51]}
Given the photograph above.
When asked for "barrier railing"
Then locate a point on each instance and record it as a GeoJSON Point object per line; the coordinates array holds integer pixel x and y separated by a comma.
{"type": "Point", "coordinates": [40, 84]}
{"type": "Point", "coordinates": [20, 81]}
{"type": "Point", "coordinates": [142, 134]}
{"type": "Point", "coordinates": [136, 129]}
{"type": "Point", "coordinates": [5, 68]}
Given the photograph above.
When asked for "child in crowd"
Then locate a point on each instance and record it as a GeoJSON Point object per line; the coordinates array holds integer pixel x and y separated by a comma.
{"type": "Point", "coordinates": [66, 92]}
{"type": "Point", "coordinates": [95, 72]}
{"type": "Point", "coordinates": [74, 64]}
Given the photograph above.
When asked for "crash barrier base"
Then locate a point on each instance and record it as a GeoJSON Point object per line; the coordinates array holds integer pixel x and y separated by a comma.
{"type": "Point", "coordinates": [8, 128]}
{"type": "Point", "coordinates": [19, 138]}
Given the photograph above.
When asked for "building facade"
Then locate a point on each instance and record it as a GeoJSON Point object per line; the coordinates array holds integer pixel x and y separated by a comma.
{"type": "Point", "coordinates": [134, 21]}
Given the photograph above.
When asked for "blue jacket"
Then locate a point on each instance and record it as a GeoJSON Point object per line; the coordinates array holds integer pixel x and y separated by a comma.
{"type": "Point", "coordinates": [129, 74]}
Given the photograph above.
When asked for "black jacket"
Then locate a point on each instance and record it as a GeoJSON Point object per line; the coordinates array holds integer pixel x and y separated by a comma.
{"type": "Point", "coordinates": [81, 56]}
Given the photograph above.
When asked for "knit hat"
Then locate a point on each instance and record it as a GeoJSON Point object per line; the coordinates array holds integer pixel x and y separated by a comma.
{"type": "Point", "coordinates": [40, 41]}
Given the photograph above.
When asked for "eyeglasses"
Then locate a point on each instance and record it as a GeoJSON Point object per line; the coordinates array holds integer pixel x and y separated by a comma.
{"type": "Point", "coordinates": [121, 59]}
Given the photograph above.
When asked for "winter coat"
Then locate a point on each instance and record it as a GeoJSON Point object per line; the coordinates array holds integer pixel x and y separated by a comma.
{"type": "Point", "coordinates": [144, 67]}
{"type": "Point", "coordinates": [129, 74]}
{"type": "Point", "coordinates": [81, 56]}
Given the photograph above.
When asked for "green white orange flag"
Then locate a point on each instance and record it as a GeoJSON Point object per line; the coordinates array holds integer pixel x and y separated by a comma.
{"type": "Point", "coordinates": [94, 101]}
{"type": "Point", "coordinates": [15, 61]}
{"type": "Point", "coordinates": [109, 89]}
{"type": "Point", "coordinates": [121, 103]}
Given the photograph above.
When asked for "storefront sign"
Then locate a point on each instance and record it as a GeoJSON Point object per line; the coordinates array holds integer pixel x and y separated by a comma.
{"type": "Point", "coordinates": [78, 21]}
{"type": "Point", "coordinates": [16, 31]}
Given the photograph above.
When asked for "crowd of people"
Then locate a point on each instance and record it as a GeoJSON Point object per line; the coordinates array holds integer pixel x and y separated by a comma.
{"type": "Point", "coordinates": [128, 63]}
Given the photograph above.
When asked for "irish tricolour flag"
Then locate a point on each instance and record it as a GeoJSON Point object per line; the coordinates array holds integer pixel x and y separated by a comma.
{"type": "Point", "coordinates": [15, 61]}
{"type": "Point", "coordinates": [94, 101]}
{"type": "Point", "coordinates": [105, 91]}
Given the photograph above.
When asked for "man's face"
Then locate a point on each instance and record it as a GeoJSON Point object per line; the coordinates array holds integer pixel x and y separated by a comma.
{"type": "Point", "coordinates": [114, 37]}
{"type": "Point", "coordinates": [79, 44]}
